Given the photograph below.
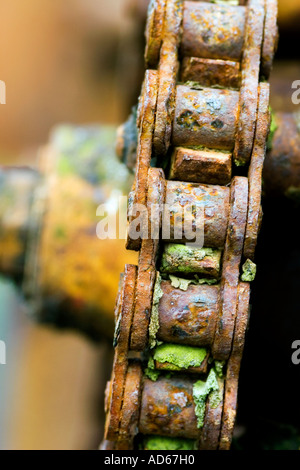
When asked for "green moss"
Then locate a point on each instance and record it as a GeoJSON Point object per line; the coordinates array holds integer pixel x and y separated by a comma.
{"type": "Point", "coordinates": [194, 85]}
{"type": "Point", "coordinates": [249, 271]}
{"type": "Point", "coordinates": [181, 258]}
{"type": "Point", "coordinates": [179, 356]}
{"type": "Point", "coordinates": [201, 391]}
{"type": "Point", "coordinates": [273, 129]}
{"type": "Point", "coordinates": [150, 372]}
{"type": "Point", "coordinates": [154, 320]}
{"type": "Point", "coordinates": [183, 284]}
{"type": "Point", "coordinates": [239, 163]}
{"type": "Point", "coordinates": [219, 368]}
{"type": "Point", "coordinates": [168, 443]}
{"type": "Point", "coordinates": [210, 282]}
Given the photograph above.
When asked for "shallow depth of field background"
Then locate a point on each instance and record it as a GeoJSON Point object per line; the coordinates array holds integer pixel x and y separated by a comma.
{"type": "Point", "coordinates": [79, 62]}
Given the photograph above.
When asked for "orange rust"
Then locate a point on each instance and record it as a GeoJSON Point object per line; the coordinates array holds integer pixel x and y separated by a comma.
{"type": "Point", "coordinates": [211, 72]}
{"type": "Point", "coordinates": [201, 118]}
{"type": "Point", "coordinates": [201, 166]}
{"type": "Point", "coordinates": [231, 268]}
{"type": "Point", "coordinates": [249, 83]}
{"type": "Point", "coordinates": [255, 172]}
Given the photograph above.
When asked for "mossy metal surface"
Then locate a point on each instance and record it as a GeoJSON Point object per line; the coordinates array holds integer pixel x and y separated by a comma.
{"type": "Point", "coordinates": [179, 356]}
{"type": "Point", "coordinates": [183, 284]}
{"type": "Point", "coordinates": [168, 443]}
{"type": "Point", "coordinates": [150, 371]}
{"type": "Point", "coordinates": [219, 366]}
{"type": "Point", "coordinates": [273, 129]}
{"type": "Point", "coordinates": [249, 271]}
{"type": "Point", "coordinates": [201, 391]}
{"type": "Point", "coordinates": [184, 259]}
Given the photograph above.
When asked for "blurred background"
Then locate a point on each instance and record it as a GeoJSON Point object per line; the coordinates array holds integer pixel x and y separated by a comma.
{"type": "Point", "coordinates": [79, 63]}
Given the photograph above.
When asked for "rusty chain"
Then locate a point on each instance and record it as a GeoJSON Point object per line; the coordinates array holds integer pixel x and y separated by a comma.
{"type": "Point", "coordinates": [204, 109]}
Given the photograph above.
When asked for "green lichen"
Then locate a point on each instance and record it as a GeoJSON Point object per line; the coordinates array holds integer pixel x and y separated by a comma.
{"type": "Point", "coordinates": [168, 443]}
{"type": "Point", "coordinates": [273, 129]}
{"type": "Point", "coordinates": [194, 85]}
{"type": "Point", "coordinates": [215, 398]}
{"type": "Point", "coordinates": [150, 371]}
{"type": "Point", "coordinates": [209, 282]}
{"type": "Point", "coordinates": [239, 163]}
{"type": "Point", "coordinates": [233, 3]}
{"type": "Point", "coordinates": [219, 365]}
{"type": "Point", "coordinates": [154, 320]}
{"type": "Point", "coordinates": [179, 356]}
{"type": "Point", "coordinates": [184, 259]}
{"type": "Point", "coordinates": [249, 271]}
{"type": "Point", "coordinates": [152, 374]}
{"type": "Point", "coordinates": [201, 391]}
{"type": "Point", "coordinates": [183, 284]}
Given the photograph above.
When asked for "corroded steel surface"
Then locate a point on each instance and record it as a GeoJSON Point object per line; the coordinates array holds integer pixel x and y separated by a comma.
{"type": "Point", "coordinates": [202, 135]}
{"type": "Point", "coordinates": [168, 409]}
{"type": "Point", "coordinates": [211, 203]}
{"type": "Point", "coordinates": [213, 31]}
{"type": "Point", "coordinates": [205, 116]}
{"type": "Point", "coordinates": [201, 166]}
{"type": "Point", "coordinates": [211, 72]}
{"type": "Point", "coordinates": [188, 317]}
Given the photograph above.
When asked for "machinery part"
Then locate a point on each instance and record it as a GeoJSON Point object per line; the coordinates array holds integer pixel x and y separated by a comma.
{"type": "Point", "coordinates": [195, 124]}
{"type": "Point", "coordinates": [19, 191]}
{"type": "Point", "coordinates": [281, 172]}
{"type": "Point", "coordinates": [48, 224]}
{"type": "Point", "coordinates": [281, 176]}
